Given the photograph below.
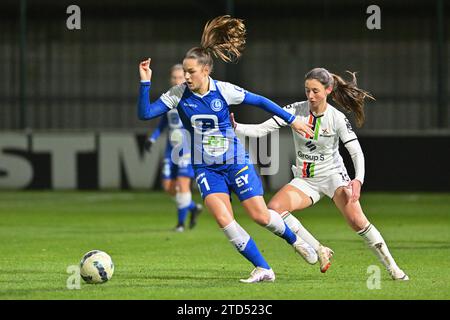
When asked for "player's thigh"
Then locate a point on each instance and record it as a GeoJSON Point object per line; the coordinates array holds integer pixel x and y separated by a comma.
{"type": "Point", "coordinates": [351, 211]}
{"type": "Point", "coordinates": [257, 209]}
{"type": "Point", "coordinates": [169, 186]}
{"type": "Point", "coordinates": [183, 184]}
{"type": "Point", "coordinates": [219, 205]}
{"type": "Point", "coordinates": [289, 198]}
{"type": "Point", "coordinates": [210, 182]}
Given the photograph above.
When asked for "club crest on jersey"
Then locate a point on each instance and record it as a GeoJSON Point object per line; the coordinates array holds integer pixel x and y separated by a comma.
{"type": "Point", "coordinates": [217, 105]}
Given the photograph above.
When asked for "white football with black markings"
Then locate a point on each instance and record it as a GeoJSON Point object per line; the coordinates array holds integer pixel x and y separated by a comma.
{"type": "Point", "coordinates": [96, 267]}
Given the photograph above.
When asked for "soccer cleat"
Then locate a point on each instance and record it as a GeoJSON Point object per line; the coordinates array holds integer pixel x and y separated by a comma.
{"type": "Point", "coordinates": [260, 274]}
{"type": "Point", "coordinates": [305, 251]}
{"type": "Point", "coordinates": [179, 228]}
{"type": "Point", "coordinates": [325, 255]}
{"type": "Point", "coordinates": [398, 274]}
{"type": "Point", "coordinates": [194, 215]}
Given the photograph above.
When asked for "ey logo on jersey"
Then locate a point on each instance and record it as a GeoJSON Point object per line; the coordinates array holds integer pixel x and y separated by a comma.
{"type": "Point", "coordinates": [217, 105]}
{"type": "Point", "coordinates": [241, 180]}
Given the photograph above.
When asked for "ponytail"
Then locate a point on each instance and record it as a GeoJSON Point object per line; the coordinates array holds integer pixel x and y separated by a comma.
{"type": "Point", "coordinates": [346, 94]}
{"type": "Point", "coordinates": [223, 37]}
{"type": "Point", "coordinates": [349, 97]}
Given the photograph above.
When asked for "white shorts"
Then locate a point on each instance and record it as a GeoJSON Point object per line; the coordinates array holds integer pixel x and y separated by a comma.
{"type": "Point", "coordinates": [315, 188]}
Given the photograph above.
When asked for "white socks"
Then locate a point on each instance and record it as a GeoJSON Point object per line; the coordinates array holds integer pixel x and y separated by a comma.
{"type": "Point", "coordinates": [376, 242]}
{"type": "Point", "coordinates": [183, 200]}
{"type": "Point", "coordinates": [237, 236]}
{"type": "Point", "coordinates": [276, 223]}
{"type": "Point", "coordinates": [294, 224]}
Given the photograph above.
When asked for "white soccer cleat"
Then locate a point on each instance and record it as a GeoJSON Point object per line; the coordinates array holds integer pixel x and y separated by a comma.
{"type": "Point", "coordinates": [325, 255]}
{"type": "Point", "coordinates": [398, 274]}
{"type": "Point", "coordinates": [305, 251]}
{"type": "Point", "coordinates": [179, 228]}
{"type": "Point", "coordinates": [260, 274]}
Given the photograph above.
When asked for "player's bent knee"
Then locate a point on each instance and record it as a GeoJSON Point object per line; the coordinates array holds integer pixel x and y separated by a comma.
{"type": "Point", "coordinates": [277, 206]}
{"type": "Point", "coordinates": [260, 218]}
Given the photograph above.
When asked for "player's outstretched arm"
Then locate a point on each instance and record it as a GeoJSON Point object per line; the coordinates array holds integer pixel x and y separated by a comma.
{"type": "Point", "coordinates": [156, 133]}
{"type": "Point", "coordinates": [147, 110]}
{"type": "Point", "coordinates": [159, 129]}
{"type": "Point", "coordinates": [271, 107]}
{"type": "Point", "coordinates": [254, 130]}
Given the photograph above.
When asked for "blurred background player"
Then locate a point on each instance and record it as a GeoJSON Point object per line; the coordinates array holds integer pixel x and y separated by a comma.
{"type": "Point", "coordinates": [319, 168]}
{"type": "Point", "coordinates": [176, 175]}
{"type": "Point", "coordinates": [219, 160]}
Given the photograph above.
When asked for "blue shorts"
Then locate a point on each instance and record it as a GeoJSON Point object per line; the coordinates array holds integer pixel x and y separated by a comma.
{"type": "Point", "coordinates": [224, 178]}
{"type": "Point", "coordinates": [172, 170]}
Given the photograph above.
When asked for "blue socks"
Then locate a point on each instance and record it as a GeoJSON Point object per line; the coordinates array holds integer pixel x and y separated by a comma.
{"type": "Point", "coordinates": [252, 254]}
{"type": "Point", "coordinates": [182, 214]}
{"type": "Point", "coordinates": [244, 244]}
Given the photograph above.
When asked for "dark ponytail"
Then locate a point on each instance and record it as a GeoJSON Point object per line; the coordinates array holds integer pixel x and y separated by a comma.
{"type": "Point", "coordinates": [346, 94]}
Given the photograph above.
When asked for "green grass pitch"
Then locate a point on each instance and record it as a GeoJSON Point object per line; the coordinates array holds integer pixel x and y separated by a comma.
{"type": "Point", "coordinates": [42, 233]}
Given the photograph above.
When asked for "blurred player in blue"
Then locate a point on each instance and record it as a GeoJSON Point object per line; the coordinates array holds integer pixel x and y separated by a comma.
{"type": "Point", "coordinates": [176, 177]}
{"type": "Point", "coordinates": [220, 162]}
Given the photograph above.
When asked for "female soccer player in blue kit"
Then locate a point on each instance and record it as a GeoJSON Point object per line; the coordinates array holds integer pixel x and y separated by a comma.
{"type": "Point", "coordinates": [219, 160]}
{"type": "Point", "coordinates": [176, 177]}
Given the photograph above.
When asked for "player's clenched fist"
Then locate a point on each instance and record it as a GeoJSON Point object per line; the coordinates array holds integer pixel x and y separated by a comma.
{"type": "Point", "coordinates": [145, 71]}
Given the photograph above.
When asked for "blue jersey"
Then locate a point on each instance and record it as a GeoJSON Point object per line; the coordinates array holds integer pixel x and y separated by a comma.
{"type": "Point", "coordinates": [207, 120]}
{"type": "Point", "coordinates": [219, 160]}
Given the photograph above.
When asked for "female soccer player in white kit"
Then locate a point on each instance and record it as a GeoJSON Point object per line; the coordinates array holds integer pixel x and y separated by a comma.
{"type": "Point", "coordinates": [319, 168]}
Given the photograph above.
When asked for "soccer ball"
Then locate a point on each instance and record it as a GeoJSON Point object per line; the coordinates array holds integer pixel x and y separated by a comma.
{"type": "Point", "coordinates": [96, 267]}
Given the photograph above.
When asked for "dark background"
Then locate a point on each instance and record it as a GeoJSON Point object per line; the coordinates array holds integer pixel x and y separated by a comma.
{"type": "Point", "coordinates": [55, 79]}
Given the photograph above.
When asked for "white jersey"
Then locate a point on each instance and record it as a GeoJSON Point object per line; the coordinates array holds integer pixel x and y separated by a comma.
{"type": "Point", "coordinates": [317, 155]}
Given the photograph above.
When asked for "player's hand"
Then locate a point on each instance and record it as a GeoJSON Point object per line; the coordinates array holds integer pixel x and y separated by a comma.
{"type": "Point", "coordinates": [148, 145]}
{"type": "Point", "coordinates": [145, 71]}
{"type": "Point", "coordinates": [355, 185]}
{"type": "Point", "coordinates": [301, 127]}
{"type": "Point", "coordinates": [233, 122]}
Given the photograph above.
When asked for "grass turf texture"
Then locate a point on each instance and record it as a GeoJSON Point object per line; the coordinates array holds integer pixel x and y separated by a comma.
{"type": "Point", "coordinates": [42, 233]}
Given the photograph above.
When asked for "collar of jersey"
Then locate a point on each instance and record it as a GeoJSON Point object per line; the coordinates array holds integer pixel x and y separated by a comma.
{"type": "Point", "coordinates": [212, 87]}
{"type": "Point", "coordinates": [321, 115]}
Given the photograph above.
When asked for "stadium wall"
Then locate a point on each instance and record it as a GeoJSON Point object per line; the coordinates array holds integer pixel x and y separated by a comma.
{"type": "Point", "coordinates": [116, 160]}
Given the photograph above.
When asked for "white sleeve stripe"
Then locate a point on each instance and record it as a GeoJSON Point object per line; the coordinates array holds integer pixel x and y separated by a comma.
{"type": "Point", "coordinates": [232, 94]}
{"type": "Point", "coordinates": [173, 96]}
